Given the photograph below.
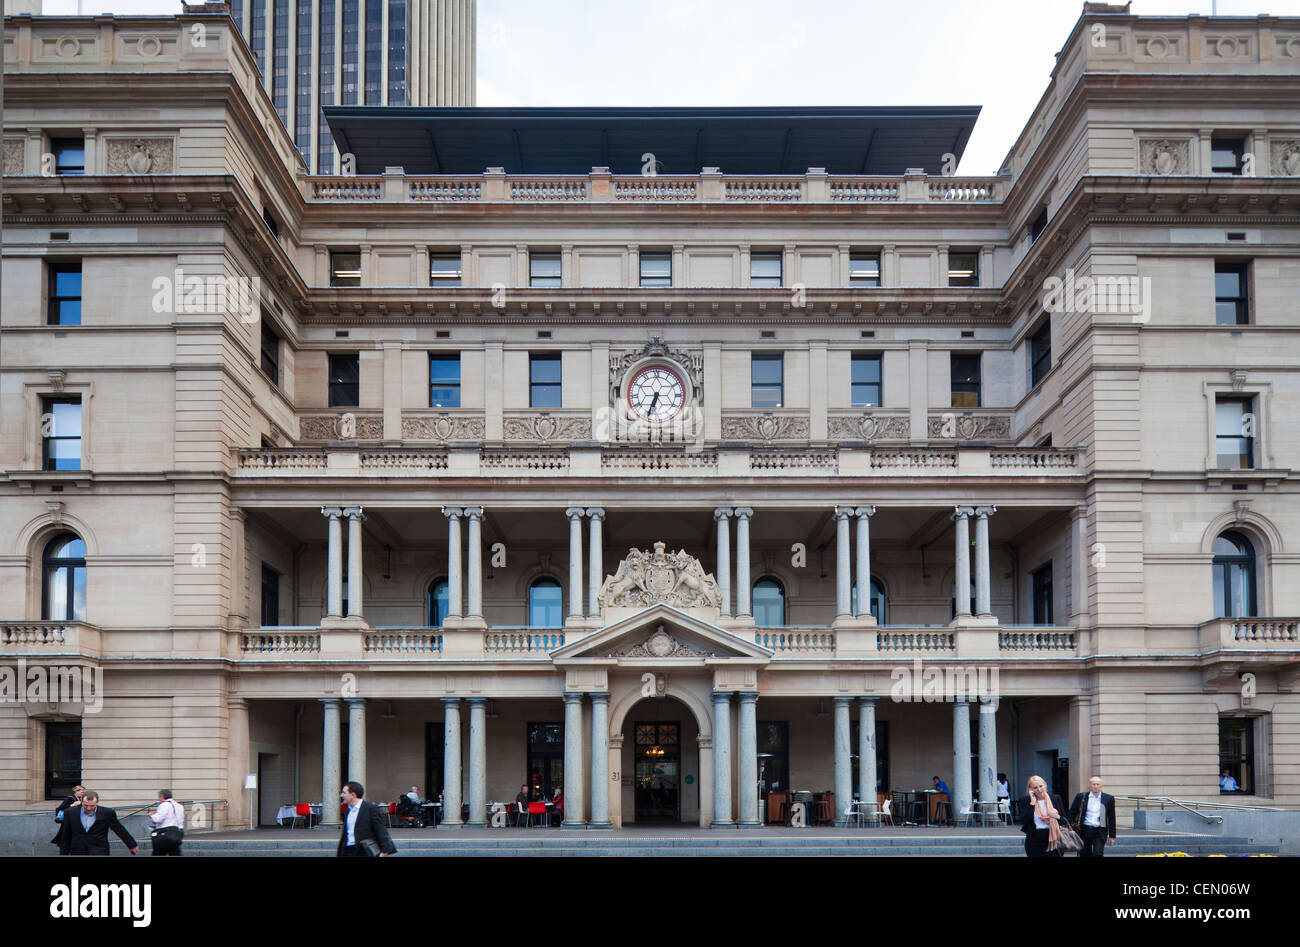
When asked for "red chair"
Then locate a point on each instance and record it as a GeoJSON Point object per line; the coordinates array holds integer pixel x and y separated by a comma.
{"type": "Point", "coordinates": [538, 810]}
{"type": "Point", "coordinates": [301, 811]}
{"type": "Point", "coordinates": [392, 811]}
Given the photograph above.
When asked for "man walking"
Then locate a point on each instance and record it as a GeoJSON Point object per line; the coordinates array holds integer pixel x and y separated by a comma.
{"type": "Point", "coordinates": [168, 825]}
{"type": "Point", "coordinates": [88, 827]}
{"type": "Point", "coordinates": [1094, 813]}
{"type": "Point", "coordinates": [364, 832]}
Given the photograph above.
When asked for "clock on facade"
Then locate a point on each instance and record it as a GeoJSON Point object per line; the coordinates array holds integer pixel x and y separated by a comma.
{"type": "Point", "coordinates": [656, 394]}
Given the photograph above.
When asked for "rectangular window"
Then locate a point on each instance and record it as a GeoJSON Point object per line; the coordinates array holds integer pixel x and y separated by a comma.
{"type": "Point", "coordinates": [1040, 353]}
{"type": "Point", "coordinates": [1226, 155]}
{"type": "Point", "coordinates": [543, 269]}
{"type": "Point", "coordinates": [965, 380]}
{"type": "Point", "coordinates": [1042, 580]}
{"type": "Point", "coordinates": [65, 294]}
{"type": "Point", "coordinates": [397, 52]}
{"type": "Point", "coordinates": [61, 433]}
{"type": "Point", "coordinates": [325, 87]}
{"type": "Point", "coordinates": [963, 268]}
{"type": "Point", "coordinates": [656, 269]}
{"type": "Point", "coordinates": [62, 759]}
{"type": "Point", "coordinates": [270, 353]}
{"type": "Point", "coordinates": [345, 380]}
{"type": "Point", "coordinates": [351, 51]}
{"type": "Point", "coordinates": [345, 269]}
{"type": "Point", "coordinates": [545, 760]}
{"type": "Point", "coordinates": [1038, 226]}
{"type": "Point", "coordinates": [444, 381]}
{"type": "Point", "coordinates": [1236, 755]}
{"type": "Point", "coordinates": [1234, 433]}
{"type": "Point", "coordinates": [374, 43]}
{"type": "Point", "coordinates": [864, 269]}
{"type": "Point", "coordinates": [544, 375]}
{"type": "Point", "coordinates": [773, 763]}
{"type": "Point", "coordinates": [765, 269]}
{"type": "Point", "coordinates": [865, 382]}
{"type": "Point", "coordinates": [69, 155]}
{"type": "Point", "coordinates": [444, 269]}
{"type": "Point", "coordinates": [1231, 294]}
{"type": "Point", "coordinates": [767, 379]}
{"type": "Point", "coordinates": [271, 223]}
{"type": "Point", "coordinates": [270, 597]}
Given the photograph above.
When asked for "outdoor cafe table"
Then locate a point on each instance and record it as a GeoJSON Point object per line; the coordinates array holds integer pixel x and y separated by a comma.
{"type": "Point", "coordinates": [288, 812]}
{"type": "Point", "coordinates": [867, 809]}
{"type": "Point", "coordinates": [988, 810]}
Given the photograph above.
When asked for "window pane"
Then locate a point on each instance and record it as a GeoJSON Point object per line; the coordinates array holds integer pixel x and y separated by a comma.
{"type": "Point", "coordinates": [769, 604]}
{"type": "Point", "coordinates": [766, 397]}
{"type": "Point", "coordinates": [1227, 418]}
{"type": "Point", "coordinates": [66, 420]}
{"type": "Point", "coordinates": [545, 368]}
{"type": "Point", "coordinates": [656, 269]}
{"type": "Point", "coordinates": [864, 271]}
{"type": "Point", "coordinates": [866, 369]}
{"type": "Point", "coordinates": [444, 368]}
{"type": "Point", "coordinates": [544, 269]}
{"type": "Point", "coordinates": [345, 269]}
{"type": "Point", "coordinates": [544, 604]}
{"type": "Point", "coordinates": [963, 269]}
{"type": "Point", "coordinates": [67, 282]}
{"type": "Point", "coordinates": [766, 369]}
{"type": "Point", "coordinates": [966, 368]}
{"type": "Point", "coordinates": [444, 270]}
{"type": "Point", "coordinates": [439, 603]}
{"type": "Point", "coordinates": [1227, 282]}
{"type": "Point", "coordinates": [544, 396]}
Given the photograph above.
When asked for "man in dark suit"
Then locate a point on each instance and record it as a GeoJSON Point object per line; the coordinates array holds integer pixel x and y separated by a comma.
{"type": "Point", "coordinates": [87, 827]}
{"type": "Point", "coordinates": [1093, 813]}
{"type": "Point", "coordinates": [362, 824]}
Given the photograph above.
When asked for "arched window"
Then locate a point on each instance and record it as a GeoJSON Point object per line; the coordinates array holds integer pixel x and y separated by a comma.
{"type": "Point", "coordinates": [545, 604]}
{"type": "Point", "coordinates": [877, 600]}
{"type": "Point", "coordinates": [436, 604]}
{"type": "Point", "coordinates": [63, 592]}
{"type": "Point", "coordinates": [769, 603]}
{"type": "Point", "coordinates": [1234, 576]}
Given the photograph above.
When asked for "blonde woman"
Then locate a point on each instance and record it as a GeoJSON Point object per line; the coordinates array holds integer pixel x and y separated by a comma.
{"type": "Point", "coordinates": [1042, 819]}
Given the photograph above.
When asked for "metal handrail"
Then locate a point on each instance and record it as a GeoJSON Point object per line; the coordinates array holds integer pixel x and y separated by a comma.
{"type": "Point", "coordinates": [1187, 805]}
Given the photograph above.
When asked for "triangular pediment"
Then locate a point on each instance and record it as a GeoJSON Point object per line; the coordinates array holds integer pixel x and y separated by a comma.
{"type": "Point", "coordinates": [661, 633]}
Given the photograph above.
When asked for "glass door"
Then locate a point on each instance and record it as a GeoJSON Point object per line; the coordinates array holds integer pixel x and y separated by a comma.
{"type": "Point", "coordinates": [657, 778]}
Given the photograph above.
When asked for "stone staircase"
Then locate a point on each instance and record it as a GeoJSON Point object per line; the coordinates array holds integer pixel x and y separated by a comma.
{"type": "Point", "coordinates": [640, 844]}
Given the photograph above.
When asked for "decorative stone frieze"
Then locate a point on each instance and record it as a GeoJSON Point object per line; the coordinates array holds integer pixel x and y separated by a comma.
{"type": "Point", "coordinates": [341, 427]}
{"type": "Point", "coordinates": [976, 427]}
{"type": "Point", "coordinates": [1164, 156]}
{"type": "Point", "coordinates": [13, 155]}
{"type": "Point", "coordinates": [547, 427]}
{"type": "Point", "coordinates": [443, 427]}
{"type": "Point", "coordinates": [1285, 155]}
{"type": "Point", "coordinates": [869, 427]}
{"type": "Point", "coordinates": [659, 644]}
{"type": "Point", "coordinates": [764, 427]}
{"type": "Point", "coordinates": [138, 156]}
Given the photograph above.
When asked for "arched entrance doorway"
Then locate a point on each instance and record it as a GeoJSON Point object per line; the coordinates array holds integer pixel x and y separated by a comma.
{"type": "Point", "coordinates": [661, 763]}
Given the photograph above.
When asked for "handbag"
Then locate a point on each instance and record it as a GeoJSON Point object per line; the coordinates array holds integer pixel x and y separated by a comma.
{"type": "Point", "coordinates": [370, 847]}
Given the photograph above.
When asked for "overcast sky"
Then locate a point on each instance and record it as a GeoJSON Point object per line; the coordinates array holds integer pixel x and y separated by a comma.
{"type": "Point", "coordinates": [996, 54]}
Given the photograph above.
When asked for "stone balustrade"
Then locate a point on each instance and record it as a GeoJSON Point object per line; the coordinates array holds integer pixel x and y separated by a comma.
{"type": "Point", "coordinates": [599, 186]}
{"type": "Point", "coordinates": [622, 461]}
{"type": "Point", "coordinates": [1250, 634]}
{"type": "Point", "coordinates": [21, 638]}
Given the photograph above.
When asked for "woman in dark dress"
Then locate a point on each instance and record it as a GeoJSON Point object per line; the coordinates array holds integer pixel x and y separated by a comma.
{"type": "Point", "coordinates": [1042, 816]}
{"type": "Point", "coordinates": [61, 815]}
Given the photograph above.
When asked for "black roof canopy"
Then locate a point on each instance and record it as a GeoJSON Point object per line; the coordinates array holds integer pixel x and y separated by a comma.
{"type": "Point", "coordinates": [770, 140]}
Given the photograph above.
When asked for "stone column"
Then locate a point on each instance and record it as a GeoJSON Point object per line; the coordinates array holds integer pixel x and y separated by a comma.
{"type": "Point", "coordinates": [744, 607]}
{"type": "Point", "coordinates": [331, 781]}
{"type": "Point", "coordinates": [867, 749]}
{"type": "Point", "coordinates": [961, 520]}
{"type": "Point", "coordinates": [843, 765]}
{"type": "Point", "coordinates": [864, 514]}
{"type": "Point", "coordinates": [237, 763]}
{"type": "Point", "coordinates": [600, 761]}
{"type": "Point", "coordinates": [573, 761]}
{"type": "Point", "coordinates": [596, 559]}
{"type": "Point", "coordinates": [747, 760]}
{"type": "Point", "coordinates": [988, 749]}
{"type": "Point", "coordinates": [355, 518]}
{"type": "Point", "coordinates": [843, 607]}
{"type": "Point", "coordinates": [451, 764]}
{"type": "Point", "coordinates": [357, 739]}
{"type": "Point", "coordinates": [574, 513]}
{"type": "Point", "coordinates": [983, 584]}
{"type": "Point", "coordinates": [961, 798]}
{"type": "Point", "coordinates": [477, 762]}
{"type": "Point", "coordinates": [454, 610]}
{"type": "Point", "coordinates": [334, 563]}
{"type": "Point", "coordinates": [722, 760]}
{"type": "Point", "coordinates": [1078, 566]}
{"type": "Point", "coordinates": [474, 572]}
{"type": "Point", "coordinates": [723, 515]}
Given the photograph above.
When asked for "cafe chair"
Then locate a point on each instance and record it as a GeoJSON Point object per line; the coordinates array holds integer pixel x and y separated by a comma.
{"type": "Point", "coordinates": [302, 811]}
{"type": "Point", "coordinates": [1004, 810]}
{"type": "Point", "coordinates": [520, 812]}
{"type": "Point", "coordinates": [886, 812]}
{"type": "Point", "coordinates": [850, 814]}
{"type": "Point", "coordinates": [537, 814]}
{"type": "Point", "coordinates": [971, 812]}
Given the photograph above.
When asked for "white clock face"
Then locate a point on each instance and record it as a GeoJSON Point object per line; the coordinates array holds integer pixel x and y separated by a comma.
{"type": "Point", "coordinates": [656, 394]}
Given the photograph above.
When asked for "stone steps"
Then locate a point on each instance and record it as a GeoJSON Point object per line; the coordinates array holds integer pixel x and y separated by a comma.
{"type": "Point", "coordinates": [600, 845]}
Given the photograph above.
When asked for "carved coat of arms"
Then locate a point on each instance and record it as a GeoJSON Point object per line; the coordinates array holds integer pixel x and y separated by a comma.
{"type": "Point", "coordinates": [645, 578]}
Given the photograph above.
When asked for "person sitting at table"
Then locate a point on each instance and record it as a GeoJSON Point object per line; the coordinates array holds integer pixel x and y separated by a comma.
{"type": "Point", "coordinates": [521, 804]}
{"type": "Point", "coordinates": [414, 795]}
{"type": "Point", "coordinates": [940, 785]}
{"type": "Point", "coordinates": [558, 800]}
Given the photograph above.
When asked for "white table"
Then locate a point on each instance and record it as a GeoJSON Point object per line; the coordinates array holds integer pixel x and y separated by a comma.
{"type": "Point", "coordinates": [289, 812]}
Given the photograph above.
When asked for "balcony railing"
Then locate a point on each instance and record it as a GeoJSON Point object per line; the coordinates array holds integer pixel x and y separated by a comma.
{"type": "Point", "coordinates": [22, 638]}
{"type": "Point", "coordinates": [599, 186]}
{"type": "Point", "coordinates": [615, 460]}
{"type": "Point", "coordinates": [1250, 634]}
